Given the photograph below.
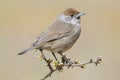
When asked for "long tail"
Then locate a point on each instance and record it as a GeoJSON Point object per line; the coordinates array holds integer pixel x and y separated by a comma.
{"type": "Point", "coordinates": [25, 51]}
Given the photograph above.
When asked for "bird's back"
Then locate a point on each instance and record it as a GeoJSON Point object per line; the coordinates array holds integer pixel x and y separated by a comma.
{"type": "Point", "coordinates": [56, 31]}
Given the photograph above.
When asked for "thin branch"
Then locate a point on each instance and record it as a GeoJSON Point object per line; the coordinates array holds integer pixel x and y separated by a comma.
{"type": "Point", "coordinates": [49, 74]}
{"type": "Point", "coordinates": [83, 64]}
{"type": "Point", "coordinates": [68, 63]}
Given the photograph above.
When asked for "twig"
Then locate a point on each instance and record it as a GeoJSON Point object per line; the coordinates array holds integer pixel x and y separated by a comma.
{"type": "Point", "coordinates": [68, 63]}
{"type": "Point", "coordinates": [83, 64]}
{"type": "Point", "coordinates": [49, 74]}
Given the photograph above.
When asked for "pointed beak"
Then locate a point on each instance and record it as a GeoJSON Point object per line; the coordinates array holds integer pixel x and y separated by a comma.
{"type": "Point", "coordinates": [81, 14]}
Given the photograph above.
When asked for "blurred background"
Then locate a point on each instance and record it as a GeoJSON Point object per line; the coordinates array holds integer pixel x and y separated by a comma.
{"type": "Point", "coordinates": [21, 21]}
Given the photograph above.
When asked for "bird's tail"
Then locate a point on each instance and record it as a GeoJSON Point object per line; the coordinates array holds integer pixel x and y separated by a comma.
{"type": "Point", "coordinates": [25, 51]}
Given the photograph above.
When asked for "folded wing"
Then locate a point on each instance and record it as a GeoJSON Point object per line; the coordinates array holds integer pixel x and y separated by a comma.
{"type": "Point", "coordinates": [56, 31]}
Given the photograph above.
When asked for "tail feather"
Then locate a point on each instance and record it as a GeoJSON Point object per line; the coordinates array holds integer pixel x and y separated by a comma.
{"type": "Point", "coordinates": [25, 51]}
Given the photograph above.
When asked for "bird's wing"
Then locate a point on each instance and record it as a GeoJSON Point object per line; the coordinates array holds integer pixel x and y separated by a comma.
{"type": "Point", "coordinates": [56, 31]}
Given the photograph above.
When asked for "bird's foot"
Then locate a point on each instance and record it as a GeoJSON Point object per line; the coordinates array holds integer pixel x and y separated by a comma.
{"type": "Point", "coordinates": [66, 61]}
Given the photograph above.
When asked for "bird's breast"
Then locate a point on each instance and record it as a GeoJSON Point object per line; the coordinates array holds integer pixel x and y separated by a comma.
{"type": "Point", "coordinates": [76, 33]}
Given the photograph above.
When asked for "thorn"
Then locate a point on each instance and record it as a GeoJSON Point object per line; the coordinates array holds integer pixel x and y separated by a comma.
{"type": "Point", "coordinates": [91, 60]}
{"type": "Point", "coordinates": [82, 66]}
{"type": "Point", "coordinates": [96, 63]}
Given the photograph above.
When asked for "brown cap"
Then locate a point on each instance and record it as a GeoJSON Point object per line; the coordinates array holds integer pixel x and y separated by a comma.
{"type": "Point", "coordinates": [70, 11]}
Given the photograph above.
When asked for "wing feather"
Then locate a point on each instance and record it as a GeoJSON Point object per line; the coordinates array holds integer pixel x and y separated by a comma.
{"type": "Point", "coordinates": [56, 31]}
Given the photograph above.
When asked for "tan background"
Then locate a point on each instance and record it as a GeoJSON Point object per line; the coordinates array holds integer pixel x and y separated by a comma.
{"type": "Point", "coordinates": [21, 21]}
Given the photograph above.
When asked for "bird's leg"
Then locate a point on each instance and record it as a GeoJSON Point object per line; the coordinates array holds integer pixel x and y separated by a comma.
{"type": "Point", "coordinates": [61, 54]}
{"type": "Point", "coordinates": [63, 57]}
{"type": "Point", "coordinates": [54, 56]}
{"type": "Point", "coordinates": [65, 60]}
{"type": "Point", "coordinates": [47, 61]}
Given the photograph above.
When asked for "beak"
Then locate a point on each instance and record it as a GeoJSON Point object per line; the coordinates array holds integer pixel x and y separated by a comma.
{"type": "Point", "coordinates": [81, 14]}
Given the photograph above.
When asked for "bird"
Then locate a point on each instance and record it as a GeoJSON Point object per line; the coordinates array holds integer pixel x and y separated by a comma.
{"type": "Point", "coordinates": [61, 35]}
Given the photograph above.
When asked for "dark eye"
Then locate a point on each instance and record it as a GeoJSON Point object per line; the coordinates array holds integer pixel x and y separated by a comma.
{"type": "Point", "coordinates": [78, 17]}
{"type": "Point", "coordinates": [72, 15]}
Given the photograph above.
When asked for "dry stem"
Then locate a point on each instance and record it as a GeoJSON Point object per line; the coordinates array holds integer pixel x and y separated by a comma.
{"type": "Point", "coordinates": [68, 63]}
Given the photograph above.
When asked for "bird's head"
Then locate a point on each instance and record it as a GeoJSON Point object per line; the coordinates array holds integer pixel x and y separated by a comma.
{"type": "Point", "coordinates": [71, 15]}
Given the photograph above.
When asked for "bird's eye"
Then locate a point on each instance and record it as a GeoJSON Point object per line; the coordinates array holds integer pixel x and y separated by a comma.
{"type": "Point", "coordinates": [72, 15]}
{"type": "Point", "coordinates": [78, 17]}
